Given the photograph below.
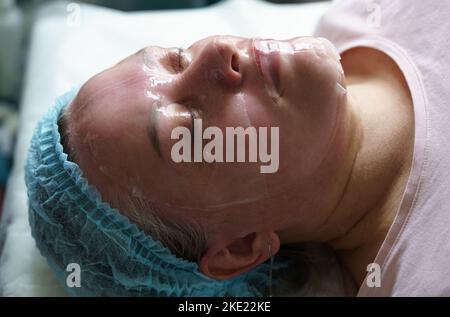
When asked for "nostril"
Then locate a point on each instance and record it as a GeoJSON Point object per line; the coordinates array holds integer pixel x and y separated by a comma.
{"type": "Point", "coordinates": [235, 62]}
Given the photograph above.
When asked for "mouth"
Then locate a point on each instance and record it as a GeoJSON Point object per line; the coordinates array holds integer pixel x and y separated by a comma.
{"type": "Point", "coordinates": [267, 57]}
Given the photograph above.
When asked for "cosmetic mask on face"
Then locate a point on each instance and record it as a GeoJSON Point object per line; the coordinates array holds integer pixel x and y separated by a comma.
{"type": "Point", "coordinates": [237, 175]}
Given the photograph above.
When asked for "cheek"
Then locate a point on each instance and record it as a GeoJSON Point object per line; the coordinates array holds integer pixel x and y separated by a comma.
{"type": "Point", "coordinates": [260, 109]}
{"type": "Point", "coordinates": [228, 111]}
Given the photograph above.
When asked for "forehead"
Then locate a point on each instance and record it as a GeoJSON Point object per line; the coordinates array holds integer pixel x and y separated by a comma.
{"type": "Point", "coordinates": [116, 82]}
{"type": "Point", "coordinates": [108, 119]}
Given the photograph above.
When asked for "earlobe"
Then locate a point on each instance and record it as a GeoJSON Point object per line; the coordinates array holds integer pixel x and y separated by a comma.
{"type": "Point", "coordinates": [239, 255]}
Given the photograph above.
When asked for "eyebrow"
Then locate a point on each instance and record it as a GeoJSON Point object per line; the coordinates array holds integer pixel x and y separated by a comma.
{"type": "Point", "coordinates": [152, 133]}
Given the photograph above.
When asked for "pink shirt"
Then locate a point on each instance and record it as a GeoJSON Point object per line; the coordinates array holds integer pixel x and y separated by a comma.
{"type": "Point", "coordinates": [415, 255]}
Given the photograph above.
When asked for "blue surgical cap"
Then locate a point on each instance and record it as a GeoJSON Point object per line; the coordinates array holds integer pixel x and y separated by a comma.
{"type": "Point", "coordinates": [71, 224]}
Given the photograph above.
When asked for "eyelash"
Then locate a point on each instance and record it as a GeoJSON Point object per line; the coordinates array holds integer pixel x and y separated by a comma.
{"type": "Point", "coordinates": [176, 61]}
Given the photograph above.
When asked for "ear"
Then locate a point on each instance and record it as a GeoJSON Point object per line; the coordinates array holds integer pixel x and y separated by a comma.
{"type": "Point", "coordinates": [239, 255]}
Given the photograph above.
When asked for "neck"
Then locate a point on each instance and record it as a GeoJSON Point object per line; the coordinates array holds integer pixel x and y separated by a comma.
{"type": "Point", "coordinates": [380, 97]}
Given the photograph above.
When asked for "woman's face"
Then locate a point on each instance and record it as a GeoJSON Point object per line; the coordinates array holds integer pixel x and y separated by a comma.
{"type": "Point", "coordinates": [123, 118]}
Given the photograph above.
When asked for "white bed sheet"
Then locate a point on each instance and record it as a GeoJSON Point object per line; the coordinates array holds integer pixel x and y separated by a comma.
{"type": "Point", "coordinates": [62, 56]}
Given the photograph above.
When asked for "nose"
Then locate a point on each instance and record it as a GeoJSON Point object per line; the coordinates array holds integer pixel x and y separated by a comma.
{"type": "Point", "coordinates": [218, 63]}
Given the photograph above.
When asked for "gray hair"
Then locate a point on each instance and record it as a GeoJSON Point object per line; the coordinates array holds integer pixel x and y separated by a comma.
{"type": "Point", "coordinates": [184, 239]}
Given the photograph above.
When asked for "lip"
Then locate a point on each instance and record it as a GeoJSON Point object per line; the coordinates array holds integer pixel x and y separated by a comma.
{"type": "Point", "coordinates": [267, 56]}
